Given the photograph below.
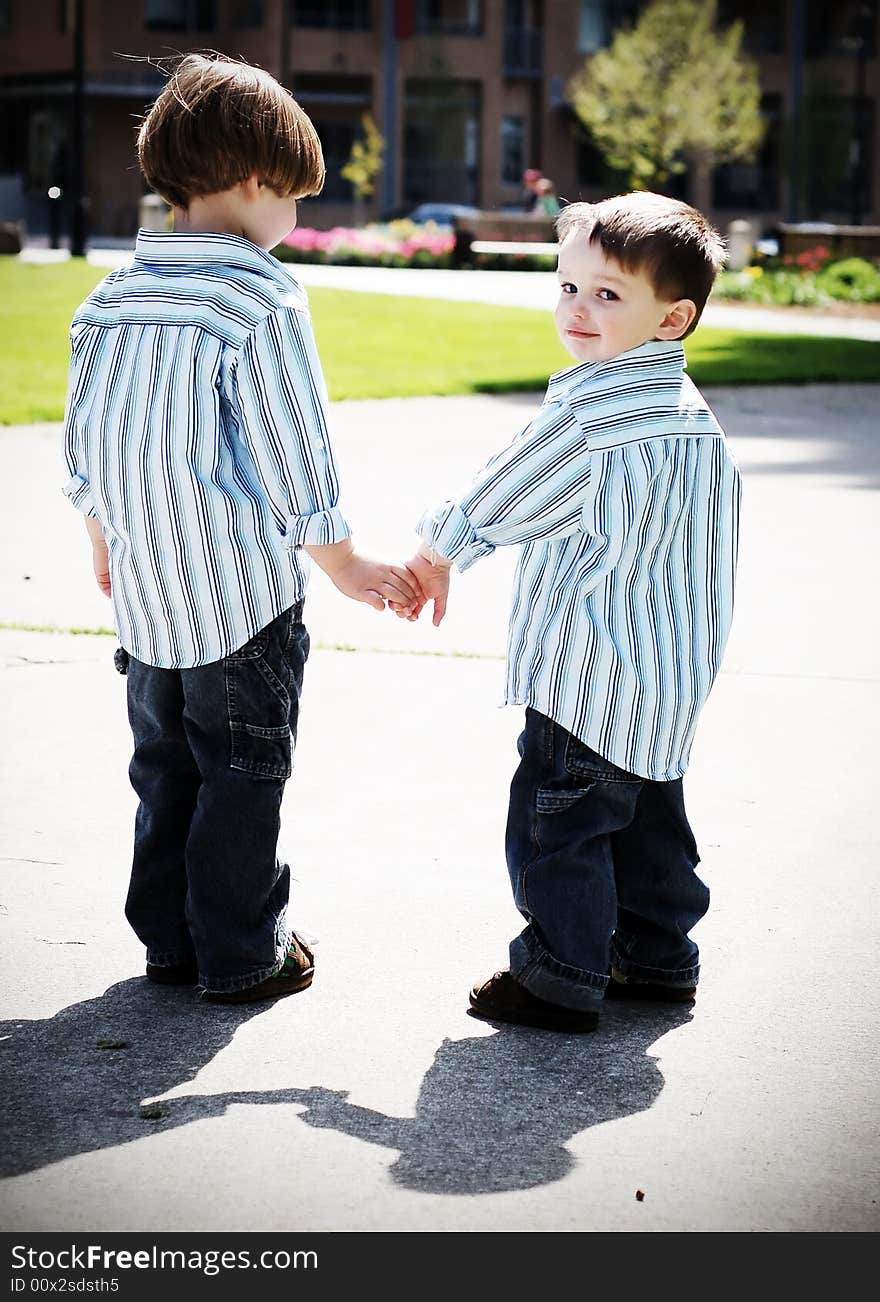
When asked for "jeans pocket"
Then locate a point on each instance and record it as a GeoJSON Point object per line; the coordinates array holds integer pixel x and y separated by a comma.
{"type": "Point", "coordinates": [582, 762]}
{"type": "Point", "coordinates": [556, 800]}
{"type": "Point", "coordinates": [258, 704]}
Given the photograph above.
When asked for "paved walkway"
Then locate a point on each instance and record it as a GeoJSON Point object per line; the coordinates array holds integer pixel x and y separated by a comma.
{"type": "Point", "coordinates": [373, 1102]}
{"type": "Point", "coordinates": [536, 289]}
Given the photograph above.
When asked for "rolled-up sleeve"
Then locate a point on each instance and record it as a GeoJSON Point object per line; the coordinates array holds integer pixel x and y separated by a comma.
{"type": "Point", "coordinates": [280, 401]}
{"type": "Point", "coordinates": [533, 489]}
{"type": "Point", "coordinates": [78, 488]}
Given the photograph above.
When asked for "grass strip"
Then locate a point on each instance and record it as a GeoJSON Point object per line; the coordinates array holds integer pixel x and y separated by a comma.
{"type": "Point", "coordinates": [391, 346]}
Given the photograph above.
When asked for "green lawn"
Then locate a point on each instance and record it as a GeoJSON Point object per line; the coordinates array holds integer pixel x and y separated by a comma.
{"type": "Point", "coordinates": [378, 346]}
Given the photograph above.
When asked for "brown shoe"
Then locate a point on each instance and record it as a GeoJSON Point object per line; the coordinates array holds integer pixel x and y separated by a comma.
{"type": "Point", "coordinates": [649, 991]}
{"type": "Point", "coordinates": [296, 974]}
{"type": "Point", "coordinates": [502, 999]}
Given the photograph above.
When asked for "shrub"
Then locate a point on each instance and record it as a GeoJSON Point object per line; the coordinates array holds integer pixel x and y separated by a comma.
{"type": "Point", "coordinates": [853, 280]}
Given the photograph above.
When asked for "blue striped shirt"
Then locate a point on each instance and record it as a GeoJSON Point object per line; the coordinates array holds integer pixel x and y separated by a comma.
{"type": "Point", "coordinates": [196, 432]}
{"type": "Point", "coordinates": [624, 498]}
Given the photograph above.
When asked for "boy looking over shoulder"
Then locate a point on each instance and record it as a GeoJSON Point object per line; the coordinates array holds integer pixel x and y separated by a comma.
{"type": "Point", "coordinates": [623, 497]}
{"type": "Point", "coordinates": [197, 447]}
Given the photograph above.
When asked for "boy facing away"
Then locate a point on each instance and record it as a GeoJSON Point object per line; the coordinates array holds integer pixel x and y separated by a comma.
{"type": "Point", "coordinates": [624, 499]}
{"type": "Point", "coordinates": [197, 447]}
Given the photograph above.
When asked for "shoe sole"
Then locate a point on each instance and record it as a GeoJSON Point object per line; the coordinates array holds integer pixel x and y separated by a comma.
{"type": "Point", "coordinates": [253, 994]}
{"type": "Point", "coordinates": [575, 1023]}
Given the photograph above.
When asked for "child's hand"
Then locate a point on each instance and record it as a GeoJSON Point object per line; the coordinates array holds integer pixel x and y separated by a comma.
{"type": "Point", "coordinates": [373, 582]}
{"type": "Point", "coordinates": [433, 580]}
{"type": "Point", "coordinates": [100, 557]}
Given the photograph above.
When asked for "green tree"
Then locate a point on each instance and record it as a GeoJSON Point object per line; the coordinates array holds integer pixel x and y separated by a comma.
{"type": "Point", "coordinates": [672, 90]}
{"type": "Point", "coordinates": [364, 165]}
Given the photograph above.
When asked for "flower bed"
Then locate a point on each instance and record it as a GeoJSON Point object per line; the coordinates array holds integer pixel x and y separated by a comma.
{"type": "Point", "coordinates": [808, 279]}
{"type": "Point", "coordinates": [395, 244]}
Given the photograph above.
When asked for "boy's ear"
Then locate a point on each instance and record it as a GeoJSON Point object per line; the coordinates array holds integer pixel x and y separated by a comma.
{"type": "Point", "coordinates": [677, 320]}
{"type": "Point", "coordinates": [250, 186]}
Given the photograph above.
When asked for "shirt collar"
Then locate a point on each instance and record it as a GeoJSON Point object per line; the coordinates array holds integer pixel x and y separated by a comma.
{"type": "Point", "coordinates": [666, 355]}
{"type": "Point", "coordinates": [186, 249]}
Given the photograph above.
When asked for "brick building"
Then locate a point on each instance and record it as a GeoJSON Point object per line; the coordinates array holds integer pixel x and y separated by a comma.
{"type": "Point", "coordinates": [467, 93]}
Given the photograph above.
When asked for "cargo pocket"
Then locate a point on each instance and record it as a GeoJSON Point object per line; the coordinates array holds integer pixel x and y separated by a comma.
{"type": "Point", "coordinates": [584, 764]}
{"type": "Point", "coordinates": [258, 704]}
{"type": "Point", "coordinates": [557, 799]}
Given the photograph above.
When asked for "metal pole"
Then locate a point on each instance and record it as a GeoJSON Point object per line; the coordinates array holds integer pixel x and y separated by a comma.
{"type": "Point", "coordinates": [857, 144]}
{"type": "Point", "coordinates": [795, 170]}
{"type": "Point", "coordinates": [389, 107]}
{"type": "Point", "coordinates": [284, 77]}
{"type": "Point", "coordinates": [77, 163]}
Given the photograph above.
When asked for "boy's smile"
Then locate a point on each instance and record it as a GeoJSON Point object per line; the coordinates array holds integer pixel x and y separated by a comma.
{"type": "Point", "coordinates": [604, 309]}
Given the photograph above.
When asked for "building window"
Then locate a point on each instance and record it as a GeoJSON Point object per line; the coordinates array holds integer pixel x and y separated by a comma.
{"type": "Point", "coordinates": [847, 27]}
{"type": "Point", "coordinates": [839, 153]}
{"type": "Point", "coordinates": [340, 15]}
{"type": "Point", "coordinates": [180, 15]}
{"type": "Point", "coordinates": [248, 13]}
{"type": "Point", "coordinates": [763, 23]}
{"type": "Point", "coordinates": [335, 103]}
{"type": "Point", "coordinates": [449, 17]}
{"type": "Point", "coordinates": [337, 138]}
{"type": "Point", "coordinates": [598, 20]}
{"type": "Point", "coordinates": [523, 37]}
{"type": "Point", "coordinates": [753, 186]}
{"type": "Point", "coordinates": [513, 143]}
{"type": "Point", "coordinates": [441, 142]}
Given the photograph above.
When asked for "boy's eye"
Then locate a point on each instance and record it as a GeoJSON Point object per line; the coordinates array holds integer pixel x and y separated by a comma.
{"type": "Point", "coordinates": [608, 295]}
{"type": "Point", "coordinates": [568, 288]}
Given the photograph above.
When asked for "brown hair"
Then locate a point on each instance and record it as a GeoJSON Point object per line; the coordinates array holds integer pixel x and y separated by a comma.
{"type": "Point", "coordinates": [675, 246]}
{"type": "Point", "coordinates": [218, 121]}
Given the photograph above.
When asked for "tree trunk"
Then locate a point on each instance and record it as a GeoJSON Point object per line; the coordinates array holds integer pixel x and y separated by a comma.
{"type": "Point", "coordinates": [700, 181]}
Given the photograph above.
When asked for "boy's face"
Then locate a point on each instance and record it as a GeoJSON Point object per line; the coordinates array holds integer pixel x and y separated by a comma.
{"type": "Point", "coordinates": [604, 310]}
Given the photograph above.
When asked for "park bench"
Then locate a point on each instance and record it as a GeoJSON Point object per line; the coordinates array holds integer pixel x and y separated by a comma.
{"type": "Point", "coordinates": [501, 233]}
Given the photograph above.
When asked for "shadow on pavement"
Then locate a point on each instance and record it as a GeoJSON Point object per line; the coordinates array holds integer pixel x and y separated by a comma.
{"type": "Point", "coordinates": [493, 1113]}
{"type": "Point", "coordinates": [73, 1083]}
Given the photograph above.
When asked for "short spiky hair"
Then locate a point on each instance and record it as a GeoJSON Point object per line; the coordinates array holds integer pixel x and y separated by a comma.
{"type": "Point", "coordinates": [675, 246]}
{"type": "Point", "coordinates": [218, 121]}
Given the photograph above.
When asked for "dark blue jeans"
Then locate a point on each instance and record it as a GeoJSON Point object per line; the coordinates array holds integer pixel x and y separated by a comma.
{"type": "Point", "coordinates": [603, 868]}
{"type": "Point", "coordinates": [213, 748]}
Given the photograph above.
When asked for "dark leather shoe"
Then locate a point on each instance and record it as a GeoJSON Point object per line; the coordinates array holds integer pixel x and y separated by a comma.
{"type": "Point", "coordinates": [175, 974]}
{"type": "Point", "coordinates": [649, 991]}
{"type": "Point", "coordinates": [502, 999]}
{"type": "Point", "coordinates": [295, 975]}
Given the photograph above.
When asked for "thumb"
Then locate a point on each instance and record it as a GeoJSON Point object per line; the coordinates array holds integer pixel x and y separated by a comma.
{"type": "Point", "coordinates": [373, 599]}
{"type": "Point", "coordinates": [439, 609]}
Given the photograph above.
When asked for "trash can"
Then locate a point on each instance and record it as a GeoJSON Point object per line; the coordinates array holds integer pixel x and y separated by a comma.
{"type": "Point", "coordinates": [740, 244]}
{"type": "Point", "coordinates": [153, 213]}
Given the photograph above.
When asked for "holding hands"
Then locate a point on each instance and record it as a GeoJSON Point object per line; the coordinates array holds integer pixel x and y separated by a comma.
{"type": "Point", "coordinates": [432, 573]}
{"type": "Point", "coordinates": [373, 582]}
{"type": "Point", "coordinates": [406, 588]}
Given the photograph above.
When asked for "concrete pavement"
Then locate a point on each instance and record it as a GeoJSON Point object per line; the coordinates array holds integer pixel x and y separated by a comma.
{"type": "Point", "coordinates": [373, 1102]}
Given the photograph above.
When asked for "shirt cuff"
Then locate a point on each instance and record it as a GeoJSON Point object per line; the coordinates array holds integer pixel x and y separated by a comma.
{"type": "Point", "coordinates": [79, 491]}
{"type": "Point", "coordinates": [450, 532]}
{"type": "Point", "coordinates": [316, 529]}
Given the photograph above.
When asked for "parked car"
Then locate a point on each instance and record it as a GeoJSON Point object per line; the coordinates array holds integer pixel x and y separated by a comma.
{"type": "Point", "coordinates": [441, 213]}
